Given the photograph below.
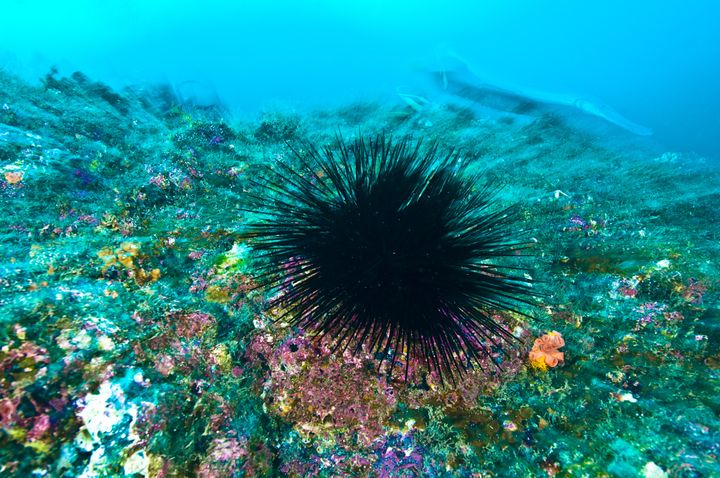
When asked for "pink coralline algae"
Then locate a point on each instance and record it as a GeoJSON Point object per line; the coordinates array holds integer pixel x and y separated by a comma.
{"type": "Point", "coordinates": [576, 223]}
{"type": "Point", "coordinates": [160, 181]}
{"type": "Point", "coordinates": [19, 368]}
{"type": "Point", "coordinates": [398, 456]}
{"type": "Point", "coordinates": [224, 458]}
{"type": "Point", "coordinates": [164, 364]}
{"type": "Point", "coordinates": [693, 291]}
{"type": "Point", "coordinates": [346, 399]}
{"type": "Point", "coordinates": [41, 425]}
{"type": "Point", "coordinates": [655, 315]}
{"type": "Point", "coordinates": [196, 255]}
{"type": "Point", "coordinates": [501, 365]}
{"type": "Point", "coordinates": [178, 345]}
{"type": "Point", "coordinates": [8, 411]}
{"type": "Point", "coordinates": [192, 325]}
{"type": "Point", "coordinates": [325, 395]}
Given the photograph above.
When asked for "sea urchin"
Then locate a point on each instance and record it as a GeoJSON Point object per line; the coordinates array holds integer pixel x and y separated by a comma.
{"type": "Point", "coordinates": [391, 245]}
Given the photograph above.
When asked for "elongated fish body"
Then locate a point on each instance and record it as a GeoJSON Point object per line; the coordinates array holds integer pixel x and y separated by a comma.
{"type": "Point", "coordinates": [462, 82]}
{"type": "Point", "coordinates": [609, 114]}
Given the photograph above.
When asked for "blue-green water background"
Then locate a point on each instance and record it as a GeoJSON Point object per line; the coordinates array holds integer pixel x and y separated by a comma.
{"type": "Point", "coordinates": [655, 61]}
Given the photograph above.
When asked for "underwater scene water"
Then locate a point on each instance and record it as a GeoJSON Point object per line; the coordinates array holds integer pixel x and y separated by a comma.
{"type": "Point", "coordinates": [359, 239]}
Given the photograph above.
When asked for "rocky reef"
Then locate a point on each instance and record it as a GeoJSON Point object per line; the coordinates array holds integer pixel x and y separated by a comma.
{"type": "Point", "coordinates": [134, 341]}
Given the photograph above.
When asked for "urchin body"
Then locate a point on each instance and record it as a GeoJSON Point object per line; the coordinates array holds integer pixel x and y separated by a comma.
{"type": "Point", "coordinates": [392, 246]}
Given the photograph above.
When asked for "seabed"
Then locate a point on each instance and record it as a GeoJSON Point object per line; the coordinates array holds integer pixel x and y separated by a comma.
{"type": "Point", "coordinates": [132, 342]}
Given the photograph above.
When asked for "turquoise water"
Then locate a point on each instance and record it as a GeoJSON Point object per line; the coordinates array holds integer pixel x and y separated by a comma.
{"type": "Point", "coordinates": [656, 63]}
{"type": "Point", "coordinates": [140, 140]}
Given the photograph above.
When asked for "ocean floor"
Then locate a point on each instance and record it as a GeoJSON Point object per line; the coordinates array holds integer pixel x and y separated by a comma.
{"type": "Point", "coordinates": [132, 343]}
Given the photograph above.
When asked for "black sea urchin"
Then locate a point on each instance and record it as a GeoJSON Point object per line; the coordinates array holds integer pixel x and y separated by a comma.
{"type": "Point", "coordinates": [390, 245]}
